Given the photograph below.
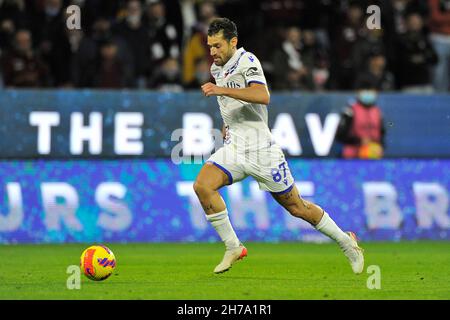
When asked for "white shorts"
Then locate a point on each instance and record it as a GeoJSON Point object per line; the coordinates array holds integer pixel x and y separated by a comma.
{"type": "Point", "coordinates": [267, 166]}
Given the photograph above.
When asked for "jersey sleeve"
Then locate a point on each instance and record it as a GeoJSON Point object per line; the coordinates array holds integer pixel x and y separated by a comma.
{"type": "Point", "coordinates": [252, 70]}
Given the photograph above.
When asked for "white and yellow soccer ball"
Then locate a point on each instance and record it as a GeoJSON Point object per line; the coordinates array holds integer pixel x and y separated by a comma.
{"type": "Point", "coordinates": [97, 262]}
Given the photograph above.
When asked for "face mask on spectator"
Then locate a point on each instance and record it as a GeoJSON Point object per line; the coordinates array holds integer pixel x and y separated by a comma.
{"type": "Point", "coordinates": [367, 97]}
{"type": "Point", "coordinates": [134, 19]}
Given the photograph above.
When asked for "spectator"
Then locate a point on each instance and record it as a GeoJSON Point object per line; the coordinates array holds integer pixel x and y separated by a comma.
{"type": "Point", "coordinates": [440, 39]}
{"type": "Point", "coordinates": [315, 59]}
{"type": "Point", "coordinates": [361, 129]}
{"type": "Point", "coordinates": [366, 46]}
{"type": "Point", "coordinates": [94, 10]}
{"type": "Point", "coordinates": [344, 66]}
{"type": "Point", "coordinates": [415, 57]}
{"type": "Point", "coordinates": [163, 35]}
{"type": "Point", "coordinates": [168, 77]}
{"type": "Point", "coordinates": [202, 74]}
{"type": "Point", "coordinates": [12, 17]}
{"type": "Point", "coordinates": [196, 47]}
{"type": "Point", "coordinates": [87, 54]}
{"type": "Point", "coordinates": [289, 70]}
{"type": "Point", "coordinates": [402, 9]}
{"type": "Point", "coordinates": [135, 34]}
{"type": "Point", "coordinates": [51, 39]}
{"type": "Point", "coordinates": [111, 71]}
{"type": "Point", "coordinates": [376, 74]}
{"type": "Point", "coordinates": [7, 30]}
{"type": "Point", "coordinates": [21, 66]}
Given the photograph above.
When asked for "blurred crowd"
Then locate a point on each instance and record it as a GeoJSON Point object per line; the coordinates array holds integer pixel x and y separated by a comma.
{"type": "Point", "coordinates": [308, 45]}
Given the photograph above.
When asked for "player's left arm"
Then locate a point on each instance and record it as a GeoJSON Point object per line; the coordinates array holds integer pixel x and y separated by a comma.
{"type": "Point", "coordinates": [254, 93]}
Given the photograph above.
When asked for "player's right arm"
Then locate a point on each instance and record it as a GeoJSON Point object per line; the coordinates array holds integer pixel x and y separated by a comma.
{"type": "Point", "coordinates": [254, 93]}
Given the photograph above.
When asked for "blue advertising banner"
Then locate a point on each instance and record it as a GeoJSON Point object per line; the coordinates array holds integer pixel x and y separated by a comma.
{"type": "Point", "coordinates": [122, 124]}
{"type": "Point", "coordinates": [137, 200]}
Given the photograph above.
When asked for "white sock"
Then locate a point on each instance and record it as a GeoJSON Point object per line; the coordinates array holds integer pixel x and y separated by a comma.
{"type": "Point", "coordinates": [329, 228]}
{"type": "Point", "coordinates": [221, 223]}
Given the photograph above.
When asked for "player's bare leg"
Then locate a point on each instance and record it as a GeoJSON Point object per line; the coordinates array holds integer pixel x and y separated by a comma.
{"type": "Point", "coordinates": [208, 182]}
{"type": "Point", "coordinates": [316, 216]}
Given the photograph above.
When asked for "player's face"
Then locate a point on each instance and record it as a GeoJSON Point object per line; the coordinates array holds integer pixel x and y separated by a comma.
{"type": "Point", "coordinates": [220, 49]}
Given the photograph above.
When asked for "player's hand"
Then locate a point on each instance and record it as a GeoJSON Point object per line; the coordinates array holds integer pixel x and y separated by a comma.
{"type": "Point", "coordinates": [210, 89]}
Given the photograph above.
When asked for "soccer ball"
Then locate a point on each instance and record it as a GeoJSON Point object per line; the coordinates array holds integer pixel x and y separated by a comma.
{"type": "Point", "coordinates": [97, 262]}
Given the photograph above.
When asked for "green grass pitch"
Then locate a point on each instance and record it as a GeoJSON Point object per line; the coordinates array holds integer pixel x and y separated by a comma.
{"type": "Point", "coordinates": [169, 271]}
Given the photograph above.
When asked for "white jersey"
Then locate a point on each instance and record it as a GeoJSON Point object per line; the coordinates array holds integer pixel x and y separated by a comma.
{"type": "Point", "coordinates": [246, 123]}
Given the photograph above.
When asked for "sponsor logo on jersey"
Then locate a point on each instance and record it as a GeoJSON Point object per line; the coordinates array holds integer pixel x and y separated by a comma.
{"type": "Point", "coordinates": [252, 71]}
{"type": "Point", "coordinates": [233, 84]}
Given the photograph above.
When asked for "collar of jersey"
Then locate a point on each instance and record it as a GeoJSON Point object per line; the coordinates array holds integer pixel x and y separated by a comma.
{"type": "Point", "coordinates": [231, 64]}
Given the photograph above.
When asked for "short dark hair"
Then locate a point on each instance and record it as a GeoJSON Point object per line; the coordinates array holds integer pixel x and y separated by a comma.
{"type": "Point", "coordinates": [223, 24]}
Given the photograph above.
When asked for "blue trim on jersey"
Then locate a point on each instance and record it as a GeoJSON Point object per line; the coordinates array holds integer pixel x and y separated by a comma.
{"type": "Point", "coordinates": [235, 65]}
{"type": "Point", "coordinates": [285, 191]}
{"type": "Point", "coordinates": [254, 81]}
{"type": "Point", "coordinates": [228, 173]}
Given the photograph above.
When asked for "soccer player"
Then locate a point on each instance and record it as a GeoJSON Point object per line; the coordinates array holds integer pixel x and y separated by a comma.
{"type": "Point", "coordinates": [249, 150]}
